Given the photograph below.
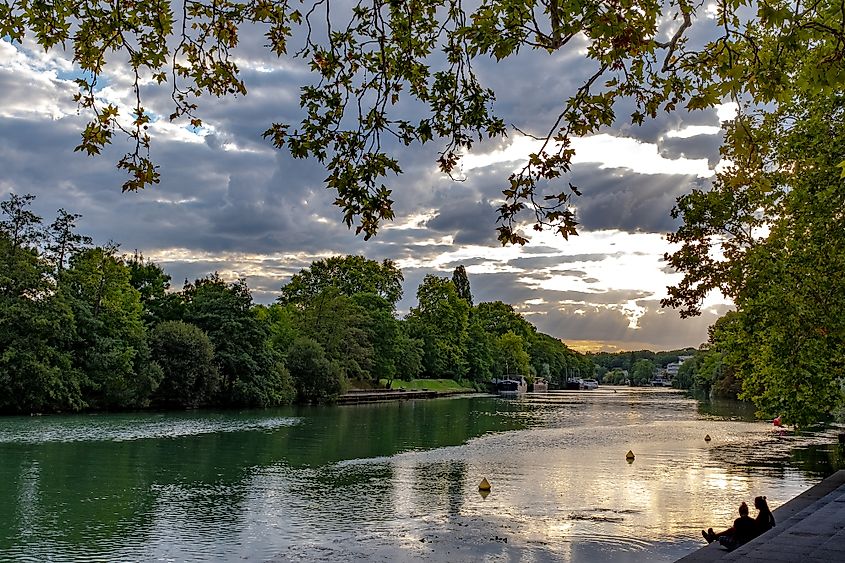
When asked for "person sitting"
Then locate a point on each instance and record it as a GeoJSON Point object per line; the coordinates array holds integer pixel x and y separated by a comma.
{"type": "Point", "coordinates": [765, 519]}
{"type": "Point", "coordinates": [743, 530]}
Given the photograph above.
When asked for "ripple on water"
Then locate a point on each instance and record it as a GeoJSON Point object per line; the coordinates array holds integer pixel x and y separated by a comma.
{"type": "Point", "coordinates": [92, 429]}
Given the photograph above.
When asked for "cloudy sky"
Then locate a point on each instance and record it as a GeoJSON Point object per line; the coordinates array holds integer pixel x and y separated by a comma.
{"type": "Point", "coordinates": [229, 202]}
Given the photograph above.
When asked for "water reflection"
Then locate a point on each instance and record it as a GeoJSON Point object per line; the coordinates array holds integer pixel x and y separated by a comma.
{"type": "Point", "coordinates": [397, 481]}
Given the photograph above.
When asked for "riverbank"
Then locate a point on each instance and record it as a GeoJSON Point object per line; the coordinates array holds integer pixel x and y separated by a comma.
{"type": "Point", "coordinates": [358, 396]}
{"type": "Point", "coordinates": [810, 528]}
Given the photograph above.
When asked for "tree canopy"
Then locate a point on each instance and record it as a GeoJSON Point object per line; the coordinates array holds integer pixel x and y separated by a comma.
{"type": "Point", "coordinates": [769, 235]}
{"type": "Point", "coordinates": [348, 275]}
{"type": "Point", "coordinates": [371, 62]}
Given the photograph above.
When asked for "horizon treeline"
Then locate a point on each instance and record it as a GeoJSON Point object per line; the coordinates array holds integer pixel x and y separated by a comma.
{"type": "Point", "coordinates": [84, 327]}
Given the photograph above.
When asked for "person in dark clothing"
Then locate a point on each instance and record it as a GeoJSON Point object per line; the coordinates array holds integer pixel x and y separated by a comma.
{"type": "Point", "coordinates": [743, 530]}
{"type": "Point", "coordinates": [765, 519]}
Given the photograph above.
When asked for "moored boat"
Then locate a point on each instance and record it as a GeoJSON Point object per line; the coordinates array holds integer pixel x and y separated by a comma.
{"type": "Point", "coordinates": [510, 385]}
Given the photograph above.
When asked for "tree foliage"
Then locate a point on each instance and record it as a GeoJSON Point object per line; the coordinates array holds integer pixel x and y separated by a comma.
{"type": "Point", "coordinates": [349, 275]}
{"type": "Point", "coordinates": [371, 62]}
{"type": "Point", "coordinates": [461, 281]}
{"type": "Point", "coordinates": [106, 332]}
{"type": "Point", "coordinates": [317, 378]}
{"type": "Point", "coordinates": [252, 373]}
{"type": "Point", "coordinates": [186, 356]}
{"type": "Point", "coordinates": [642, 372]}
{"type": "Point", "coordinates": [111, 346]}
{"type": "Point", "coordinates": [775, 222]}
{"type": "Point", "coordinates": [441, 321]}
{"type": "Point", "coordinates": [511, 357]}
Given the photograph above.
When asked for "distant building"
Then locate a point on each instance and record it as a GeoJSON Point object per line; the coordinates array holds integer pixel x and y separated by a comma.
{"type": "Point", "coordinates": [672, 368]}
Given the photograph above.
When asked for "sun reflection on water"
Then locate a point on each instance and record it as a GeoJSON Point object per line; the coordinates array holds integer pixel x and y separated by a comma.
{"type": "Point", "coordinates": [397, 482]}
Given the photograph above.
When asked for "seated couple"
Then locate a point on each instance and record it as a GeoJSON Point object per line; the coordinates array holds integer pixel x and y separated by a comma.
{"type": "Point", "coordinates": [745, 528]}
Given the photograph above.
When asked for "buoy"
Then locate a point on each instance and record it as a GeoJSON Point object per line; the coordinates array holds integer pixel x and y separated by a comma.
{"type": "Point", "coordinates": [484, 485]}
{"type": "Point", "coordinates": [629, 456]}
{"type": "Point", "coordinates": [707, 438]}
{"type": "Point", "coordinates": [777, 422]}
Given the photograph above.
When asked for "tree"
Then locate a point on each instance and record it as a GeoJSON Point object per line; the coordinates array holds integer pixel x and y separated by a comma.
{"type": "Point", "coordinates": [479, 352]}
{"type": "Point", "coordinates": [511, 357]}
{"type": "Point", "coordinates": [369, 57]}
{"type": "Point", "coordinates": [686, 374]}
{"type": "Point", "coordinates": [461, 281]}
{"type": "Point", "coordinates": [186, 357]}
{"type": "Point", "coordinates": [440, 320]}
{"type": "Point", "coordinates": [64, 241]}
{"type": "Point", "coordinates": [769, 236]}
{"type": "Point", "coordinates": [498, 318]}
{"type": "Point", "coordinates": [348, 275]}
{"type": "Point", "coordinates": [20, 224]}
{"type": "Point", "coordinates": [408, 353]}
{"type": "Point", "coordinates": [342, 328]}
{"type": "Point", "coordinates": [111, 347]}
{"type": "Point", "coordinates": [253, 374]}
{"type": "Point", "coordinates": [616, 376]}
{"type": "Point", "coordinates": [551, 358]}
{"type": "Point", "coordinates": [642, 372]}
{"type": "Point", "coordinates": [22, 271]}
{"type": "Point", "coordinates": [37, 374]}
{"type": "Point", "coordinates": [384, 332]}
{"type": "Point", "coordinates": [282, 325]}
{"type": "Point", "coordinates": [153, 283]}
{"type": "Point", "coordinates": [317, 378]}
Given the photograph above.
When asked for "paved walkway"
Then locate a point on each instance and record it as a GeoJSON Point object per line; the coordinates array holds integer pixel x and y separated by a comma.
{"type": "Point", "coordinates": [810, 529]}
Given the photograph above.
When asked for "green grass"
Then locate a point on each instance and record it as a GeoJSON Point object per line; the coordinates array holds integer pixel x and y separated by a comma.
{"type": "Point", "coordinates": [430, 384]}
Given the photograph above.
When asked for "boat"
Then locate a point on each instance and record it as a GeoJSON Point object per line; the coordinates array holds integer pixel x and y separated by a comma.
{"type": "Point", "coordinates": [572, 384]}
{"type": "Point", "coordinates": [539, 386]}
{"type": "Point", "coordinates": [510, 385]}
{"type": "Point", "coordinates": [661, 382]}
{"type": "Point", "coordinates": [589, 384]}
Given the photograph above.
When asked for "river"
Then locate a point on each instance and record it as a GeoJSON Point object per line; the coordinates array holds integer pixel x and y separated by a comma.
{"type": "Point", "coordinates": [397, 481]}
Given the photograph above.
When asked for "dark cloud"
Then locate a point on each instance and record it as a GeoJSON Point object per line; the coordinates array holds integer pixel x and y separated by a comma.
{"type": "Point", "coordinates": [467, 222]}
{"type": "Point", "coordinates": [698, 146]}
{"type": "Point", "coordinates": [625, 200]}
{"type": "Point", "coordinates": [231, 203]}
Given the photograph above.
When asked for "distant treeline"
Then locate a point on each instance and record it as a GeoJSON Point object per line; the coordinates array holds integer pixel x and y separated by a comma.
{"type": "Point", "coordinates": [705, 370]}
{"type": "Point", "coordinates": [86, 328]}
{"type": "Point", "coordinates": [634, 367]}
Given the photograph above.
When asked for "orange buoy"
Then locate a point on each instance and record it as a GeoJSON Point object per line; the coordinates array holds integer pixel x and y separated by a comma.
{"type": "Point", "coordinates": [777, 422]}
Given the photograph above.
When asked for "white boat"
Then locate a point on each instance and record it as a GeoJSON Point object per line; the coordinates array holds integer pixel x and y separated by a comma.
{"type": "Point", "coordinates": [589, 384]}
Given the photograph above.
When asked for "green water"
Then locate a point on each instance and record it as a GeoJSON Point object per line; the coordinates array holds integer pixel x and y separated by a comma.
{"type": "Point", "coordinates": [396, 481]}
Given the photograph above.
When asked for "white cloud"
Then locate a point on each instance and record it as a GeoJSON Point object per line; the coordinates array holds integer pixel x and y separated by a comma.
{"type": "Point", "coordinates": [694, 131]}
{"type": "Point", "coordinates": [605, 150]}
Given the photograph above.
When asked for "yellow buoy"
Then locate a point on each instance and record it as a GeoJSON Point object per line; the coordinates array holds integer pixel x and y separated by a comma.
{"type": "Point", "coordinates": [707, 438]}
{"type": "Point", "coordinates": [484, 485]}
{"type": "Point", "coordinates": [629, 456]}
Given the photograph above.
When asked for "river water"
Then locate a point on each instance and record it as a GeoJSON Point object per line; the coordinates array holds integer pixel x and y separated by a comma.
{"type": "Point", "coordinates": [397, 481]}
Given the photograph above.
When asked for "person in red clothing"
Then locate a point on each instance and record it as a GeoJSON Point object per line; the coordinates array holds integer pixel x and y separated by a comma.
{"type": "Point", "coordinates": [743, 530]}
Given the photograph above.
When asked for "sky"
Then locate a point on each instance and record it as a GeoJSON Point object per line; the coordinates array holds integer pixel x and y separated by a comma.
{"type": "Point", "coordinates": [231, 203]}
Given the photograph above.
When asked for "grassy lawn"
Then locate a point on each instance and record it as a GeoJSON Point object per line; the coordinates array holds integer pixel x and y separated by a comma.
{"type": "Point", "coordinates": [430, 384]}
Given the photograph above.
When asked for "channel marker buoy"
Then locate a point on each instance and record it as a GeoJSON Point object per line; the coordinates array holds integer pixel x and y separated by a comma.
{"type": "Point", "coordinates": [484, 485]}
{"type": "Point", "coordinates": [629, 456]}
{"type": "Point", "coordinates": [707, 438]}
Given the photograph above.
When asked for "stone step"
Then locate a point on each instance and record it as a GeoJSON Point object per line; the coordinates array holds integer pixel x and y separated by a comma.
{"type": "Point", "coordinates": [809, 524]}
